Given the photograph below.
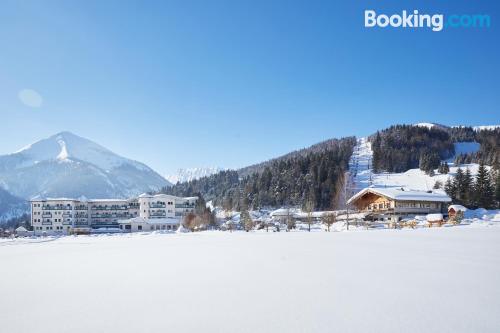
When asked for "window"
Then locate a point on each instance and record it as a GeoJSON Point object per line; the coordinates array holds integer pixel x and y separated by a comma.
{"type": "Point", "coordinates": [139, 227]}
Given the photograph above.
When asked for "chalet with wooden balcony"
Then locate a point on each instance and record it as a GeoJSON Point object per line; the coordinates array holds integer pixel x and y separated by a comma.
{"type": "Point", "coordinates": [396, 202]}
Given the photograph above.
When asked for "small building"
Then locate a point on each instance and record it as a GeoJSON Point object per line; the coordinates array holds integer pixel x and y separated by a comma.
{"type": "Point", "coordinates": [453, 210]}
{"type": "Point", "coordinates": [22, 231]}
{"type": "Point", "coordinates": [138, 224]}
{"type": "Point", "coordinates": [435, 219]}
{"type": "Point", "coordinates": [391, 203]}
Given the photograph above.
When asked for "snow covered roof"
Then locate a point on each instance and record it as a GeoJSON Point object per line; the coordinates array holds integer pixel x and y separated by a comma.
{"type": "Point", "coordinates": [400, 194]}
{"type": "Point", "coordinates": [190, 198]}
{"type": "Point", "coordinates": [282, 212]}
{"type": "Point", "coordinates": [21, 229]}
{"type": "Point", "coordinates": [434, 217]}
{"type": "Point", "coordinates": [457, 208]}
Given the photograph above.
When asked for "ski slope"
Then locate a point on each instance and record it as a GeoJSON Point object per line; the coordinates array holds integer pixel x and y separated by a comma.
{"type": "Point", "coordinates": [360, 166]}
{"type": "Point", "coordinates": [362, 176]}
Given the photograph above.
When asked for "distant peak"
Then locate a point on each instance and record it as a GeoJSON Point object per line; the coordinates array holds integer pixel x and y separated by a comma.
{"type": "Point", "coordinates": [430, 125]}
{"type": "Point", "coordinates": [65, 134]}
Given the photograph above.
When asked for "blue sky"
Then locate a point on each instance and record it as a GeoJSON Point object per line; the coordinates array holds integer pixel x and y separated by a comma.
{"type": "Point", "coordinates": [231, 83]}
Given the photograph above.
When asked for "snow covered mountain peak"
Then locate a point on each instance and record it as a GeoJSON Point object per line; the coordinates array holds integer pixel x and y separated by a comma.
{"type": "Point", "coordinates": [430, 125]}
{"type": "Point", "coordinates": [66, 146]}
{"type": "Point", "coordinates": [66, 164]}
{"type": "Point", "coordinates": [189, 174]}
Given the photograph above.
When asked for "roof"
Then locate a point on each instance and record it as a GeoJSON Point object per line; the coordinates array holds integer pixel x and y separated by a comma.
{"type": "Point", "coordinates": [283, 212]}
{"type": "Point", "coordinates": [400, 194]}
{"type": "Point", "coordinates": [457, 208]}
{"type": "Point", "coordinates": [434, 217]}
{"type": "Point", "coordinates": [21, 228]}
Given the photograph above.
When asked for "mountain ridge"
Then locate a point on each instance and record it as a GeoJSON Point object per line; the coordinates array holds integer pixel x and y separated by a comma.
{"type": "Point", "coordinates": [68, 165]}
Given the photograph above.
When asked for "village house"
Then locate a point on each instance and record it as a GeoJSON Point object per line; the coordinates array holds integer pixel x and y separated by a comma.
{"type": "Point", "coordinates": [456, 211]}
{"type": "Point", "coordinates": [393, 203]}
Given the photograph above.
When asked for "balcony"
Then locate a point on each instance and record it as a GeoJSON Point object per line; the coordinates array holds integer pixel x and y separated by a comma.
{"type": "Point", "coordinates": [108, 216]}
{"type": "Point", "coordinates": [66, 223]}
{"type": "Point", "coordinates": [157, 214]}
{"type": "Point", "coordinates": [46, 214]}
{"type": "Point", "coordinates": [157, 205]}
{"type": "Point", "coordinates": [48, 207]}
{"type": "Point", "coordinates": [46, 222]}
{"type": "Point", "coordinates": [184, 206]}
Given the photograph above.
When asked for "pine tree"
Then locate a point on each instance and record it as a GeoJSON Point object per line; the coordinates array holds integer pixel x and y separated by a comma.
{"type": "Point", "coordinates": [446, 168]}
{"type": "Point", "coordinates": [466, 190]}
{"type": "Point", "coordinates": [458, 182]}
{"type": "Point", "coordinates": [484, 191]}
{"type": "Point", "coordinates": [497, 189]}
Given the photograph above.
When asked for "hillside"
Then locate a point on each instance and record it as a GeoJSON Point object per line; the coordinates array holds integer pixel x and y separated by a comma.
{"type": "Point", "coordinates": [314, 175]}
{"type": "Point", "coordinates": [403, 147]}
{"type": "Point", "coordinates": [66, 165]}
{"type": "Point", "coordinates": [401, 155]}
{"type": "Point", "coordinates": [11, 206]}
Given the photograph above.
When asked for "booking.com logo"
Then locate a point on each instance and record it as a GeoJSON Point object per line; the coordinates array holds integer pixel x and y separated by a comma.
{"type": "Point", "coordinates": [436, 22]}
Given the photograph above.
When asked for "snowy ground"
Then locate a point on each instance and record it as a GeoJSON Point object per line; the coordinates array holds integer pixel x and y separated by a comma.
{"type": "Point", "coordinates": [424, 280]}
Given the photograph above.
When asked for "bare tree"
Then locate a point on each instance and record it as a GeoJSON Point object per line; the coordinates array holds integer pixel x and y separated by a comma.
{"type": "Point", "coordinates": [290, 223]}
{"type": "Point", "coordinates": [309, 208]}
{"type": "Point", "coordinates": [188, 221]}
{"type": "Point", "coordinates": [329, 219]}
{"type": "Point", "coordinates": [229, 222]}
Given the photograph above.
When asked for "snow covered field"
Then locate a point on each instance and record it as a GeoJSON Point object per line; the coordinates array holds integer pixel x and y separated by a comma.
{"type": "Point", "coordinates": [424, 280]}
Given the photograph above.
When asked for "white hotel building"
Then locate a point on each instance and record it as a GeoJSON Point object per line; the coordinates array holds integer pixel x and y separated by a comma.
{"type": "Point", "coordinates": [144, 213]}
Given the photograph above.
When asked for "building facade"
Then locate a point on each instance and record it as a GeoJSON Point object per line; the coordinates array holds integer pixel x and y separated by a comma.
{"type": "Point", "coordinates": [62, 215]}
{"type": "Point", "coordinates": [395, 203]}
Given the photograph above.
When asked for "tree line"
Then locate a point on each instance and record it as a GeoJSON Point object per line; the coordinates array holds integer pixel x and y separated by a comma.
{"type": "Point", "coordinates": [403, 147]}
{"type": "Point", "coordinates": [314, 176]}
{"type": "Point", "coordinates": [481, 191]}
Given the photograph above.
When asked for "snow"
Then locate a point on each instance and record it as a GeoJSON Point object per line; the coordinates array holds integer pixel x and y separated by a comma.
{"type": "Point", "coordinates": [434, 217]}
{"type": "Point", "coordinates": [360, 172]}
{"type": "Point", "coordinates": [398, 193]}
{"type": "Point", "coordinates": [189, 174]}
{"type": "Point", "coordinates": [362, 176]}
{"type": "Point", "coordinates": [68, 165]}
{"type": "Point", "coordinates": [423, 280]}
{"type": "Point", "coordinates": [63, 155]}
{"type": "Point", "coordinates": [428, 125]}
{"type": "Point", "coordinates": [457, 208]}
{"type": "Point", "coordinates": [487, 127]}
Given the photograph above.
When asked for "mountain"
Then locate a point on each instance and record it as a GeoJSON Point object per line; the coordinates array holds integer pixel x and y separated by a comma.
{"type": "Point", "coordinates": [401, 155]}
{"type": "Point", "coordinates": [66, 165]}
{"type": "Point", "coordinates": [11, 206]}
{"type": "Point", "coordinates": [186, 175]}
{"type": "Point", "coordinates": [312, 176]}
